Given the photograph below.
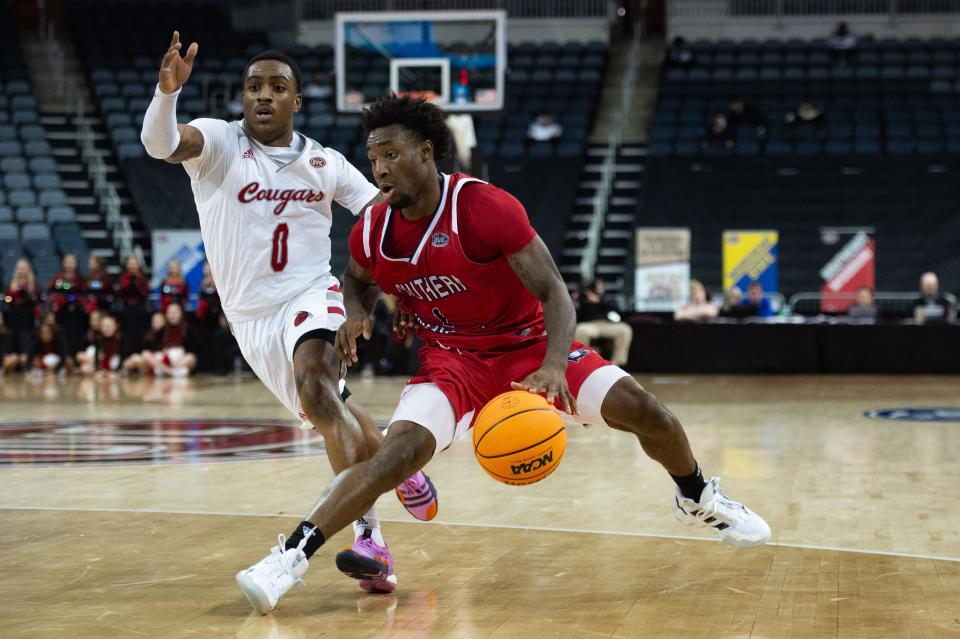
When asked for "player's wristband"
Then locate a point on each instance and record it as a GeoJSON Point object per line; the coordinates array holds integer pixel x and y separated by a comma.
{"type": "Point", "coordinates": [160, 136]}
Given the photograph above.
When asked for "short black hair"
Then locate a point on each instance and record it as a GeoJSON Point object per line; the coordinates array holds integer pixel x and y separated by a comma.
{"type": "Point", "coordinates": [279, 57]}
{"type": "Point", "coordinates": [425, 120]}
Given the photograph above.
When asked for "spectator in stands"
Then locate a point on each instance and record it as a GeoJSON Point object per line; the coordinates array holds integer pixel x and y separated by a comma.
{"type": "Point", "coordinates": [9, 360]}
{"type": "Point", "coordinates": [212, 330]}
{"type": "Point", "coordinates": [599, 318]}
{"type": "Point", "coordinates": [49, 353]}
{"type": "Point", "coordinates": [23, 308]}
{"type": "Point", "coordinates": [173, 289]}
{"type": "Point", "coordinates": [843, 44]}
{"type": "Point", "coordinates": [65, 297]}
{"type": "Point", "coordinates": [864, 307]}
{"type": "Point", "coordinates": [317, 87]}
{"type": "Point", "coordinates": [104, 355]}
{"type": "Point", "coordinates": [699, 308]}
{"type": "Point", "coordinates": [177, 354]}
{"type": "Point", "coordinates": [152, 344]}
{"type": "Point", "coordinates": [808, 116]}
{"type": "Point", "coordinates": [932, 307]}
{"type": "Point", "coordinates": [719, 135]}
{"type": "Point", "coordinates": [680, 52]}
{"type": "Point", "coordinates": [741, 113]}
{"type": "Point", "coordinates": [734, 306]}
{"type": "Point", "coordinates": [544, 129]}
{"type": "Point", "coordinates": [133, 293]}
{"type": "Point", "coordinates": [757, 300]}
{"type": "Point", "coordinates": [99, 285]}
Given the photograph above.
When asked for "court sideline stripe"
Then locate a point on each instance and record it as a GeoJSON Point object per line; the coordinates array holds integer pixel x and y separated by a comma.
{"type": "Point", "coordinates": [580, 531]}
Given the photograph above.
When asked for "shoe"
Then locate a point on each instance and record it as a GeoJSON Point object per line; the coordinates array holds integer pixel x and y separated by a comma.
{"type": "Point", "coordinates": [419, 497]}
{"type": "Point", "coordinates": [736, 524]}
{"type": "Point", "coordinates": [370, 563]}
{"type": "Point", "coordinates": [269, 579]}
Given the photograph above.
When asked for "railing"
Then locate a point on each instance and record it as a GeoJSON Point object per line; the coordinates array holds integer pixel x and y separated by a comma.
{"type": "Point", "coordinates": [325, 9]}
{"type": "Point", "coordinates": [787, 8]}
{"type": "Point", "coordinates": [601, 198]}
{"type": "Point", "coordinates": [117, 225]}
{"type": "Point", "coordinates": [808, 303]}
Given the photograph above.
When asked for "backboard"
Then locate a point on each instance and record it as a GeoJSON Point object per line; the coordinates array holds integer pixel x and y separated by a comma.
{"type": "Point", "coordinates": [456, 59]}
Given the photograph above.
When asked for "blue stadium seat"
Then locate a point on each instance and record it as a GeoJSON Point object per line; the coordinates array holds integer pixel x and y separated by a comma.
{"type": "Point", "coordinates": [12, 181]}
{"type": "Point", "coordinates": [53, 197]}
{"type": "Point", "coordinates": [32, 132]}
{"type": "Point", "coordinates": [24, 102]}
{"type": "Point", "coordinates": [124, 134]}
{"type": "Point", "coordinates": [60, 214]}
{"type": "Point", "coordinates": [130, 150]}
{"type": "Point", "coordinates": [43, 166]}
{"type": "Point", "coordinates": [9, 148]}
{"type": "Point", "coordinates": [24, 116]}
{"type": "Point", "coordinates": [29, 214]}
{"type": "Point", "coordinates": [113, 105]}
{"type": "Point", "coordinates": [8, 133]}
{"type": "Point", "coordinates": [37, 148]}
{"type": "Point", "coordinates": [6, 214]}
{"type": "Point", "coordinates": [22, 198]}
{"type": "Point", "coordinates": [119, 119]}
{"type": "Point", "coordinates": [900, 147]}
{"type": "Point", "coordinates": [46, 181]}
{"type": "Point", "coordinates": [18, 87]}
{"type": "Point", "coordinates": [38, 231]}
{"type": "Point", "coordinates": [13, 165]}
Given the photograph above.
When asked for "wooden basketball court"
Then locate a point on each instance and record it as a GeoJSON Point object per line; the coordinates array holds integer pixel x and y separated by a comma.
{"type": "Point", "coordinates": [144, 536]}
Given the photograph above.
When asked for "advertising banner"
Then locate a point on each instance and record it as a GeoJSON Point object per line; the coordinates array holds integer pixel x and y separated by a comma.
{"type": "Point", "coordinates": [750, 256]}
{"type": "Point", "coordinates": [662, 281]}
{"type": "Point", "coordinates": [851, 260]}
{"type": "Point", "coordinates": [179, 244]}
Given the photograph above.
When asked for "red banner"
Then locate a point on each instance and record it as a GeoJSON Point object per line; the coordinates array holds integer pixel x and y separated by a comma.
{"type": "Point", "coordinates": [850, 268]}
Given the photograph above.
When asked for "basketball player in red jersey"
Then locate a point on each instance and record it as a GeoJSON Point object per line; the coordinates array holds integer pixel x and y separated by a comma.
{"type": "Point", "coordinates": [489, 304]}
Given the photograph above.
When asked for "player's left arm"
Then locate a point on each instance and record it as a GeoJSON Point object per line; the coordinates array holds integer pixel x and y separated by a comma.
{"type": "Point", "coordinates": [534, 266]}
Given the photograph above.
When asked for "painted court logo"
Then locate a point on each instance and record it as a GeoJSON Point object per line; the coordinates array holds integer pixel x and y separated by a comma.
{"type": "Point", "coordinates": [153, 441]}
{"type": "Point", "coordinates": [945, 414]}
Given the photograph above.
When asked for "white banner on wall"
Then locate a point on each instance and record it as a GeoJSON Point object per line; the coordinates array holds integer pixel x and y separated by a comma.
{"type": "Point", "coordinates": [662, 281]}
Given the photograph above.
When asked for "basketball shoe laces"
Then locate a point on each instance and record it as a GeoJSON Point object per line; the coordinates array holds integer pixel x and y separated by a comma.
{"type": "Point", "coordinates": [720, 505]}
{"type": "Point", "coordinates": [285, 561]}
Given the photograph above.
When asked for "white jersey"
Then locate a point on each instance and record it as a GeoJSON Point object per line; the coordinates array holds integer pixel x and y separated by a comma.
{"type": "Point", "coordinates": [266, 228]}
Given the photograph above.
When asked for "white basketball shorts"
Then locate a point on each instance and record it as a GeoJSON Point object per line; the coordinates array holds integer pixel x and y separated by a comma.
{"type": "Point", "coordinates": [267, 342]}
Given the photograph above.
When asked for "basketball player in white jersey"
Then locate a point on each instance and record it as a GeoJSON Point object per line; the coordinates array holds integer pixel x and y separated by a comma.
{"type": "Point", "coordinates": [264, 194]}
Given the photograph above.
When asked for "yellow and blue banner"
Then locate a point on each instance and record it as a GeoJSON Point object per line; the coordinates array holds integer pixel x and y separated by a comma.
{"type": "Point", "coordinates": [750, 256]}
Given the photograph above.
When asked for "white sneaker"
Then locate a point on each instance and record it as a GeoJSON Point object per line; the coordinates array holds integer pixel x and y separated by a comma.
{"type": "Point", "coordinates": [269, 579]}
{"type": "Point", "coordinates": [736, 524]}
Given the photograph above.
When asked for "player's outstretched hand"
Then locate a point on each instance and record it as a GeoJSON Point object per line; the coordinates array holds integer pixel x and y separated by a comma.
{"type": "Point", "coordinates": [402, 321]}
{"type": "Point", "coordinates": [345, 345]}
{"type": "Point", "coordinates": [175, 70]}
{"type": "Point", "coordinates": [552, 383]}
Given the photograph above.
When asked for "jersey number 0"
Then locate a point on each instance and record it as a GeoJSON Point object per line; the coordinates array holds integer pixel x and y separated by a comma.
{"type": "Point", "coordinates": [278, 258]}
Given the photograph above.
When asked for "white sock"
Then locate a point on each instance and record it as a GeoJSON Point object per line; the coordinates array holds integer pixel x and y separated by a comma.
{"type": "Point", "coordinates": [370, 522]}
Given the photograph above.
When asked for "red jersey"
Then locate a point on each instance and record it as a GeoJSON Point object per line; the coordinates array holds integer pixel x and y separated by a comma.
{"type": "Point", "coordinates": [457, 302]}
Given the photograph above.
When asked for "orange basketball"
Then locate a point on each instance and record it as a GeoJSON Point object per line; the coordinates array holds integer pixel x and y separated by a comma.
{"type": "Point", "coordinates": [519, 438]}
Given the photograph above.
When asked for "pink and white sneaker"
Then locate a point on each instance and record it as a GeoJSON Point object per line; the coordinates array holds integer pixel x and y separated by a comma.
{"type": "Point", "coordinates": [370, 563]}
{"type": "Point", "coordinates": [419, 497]}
